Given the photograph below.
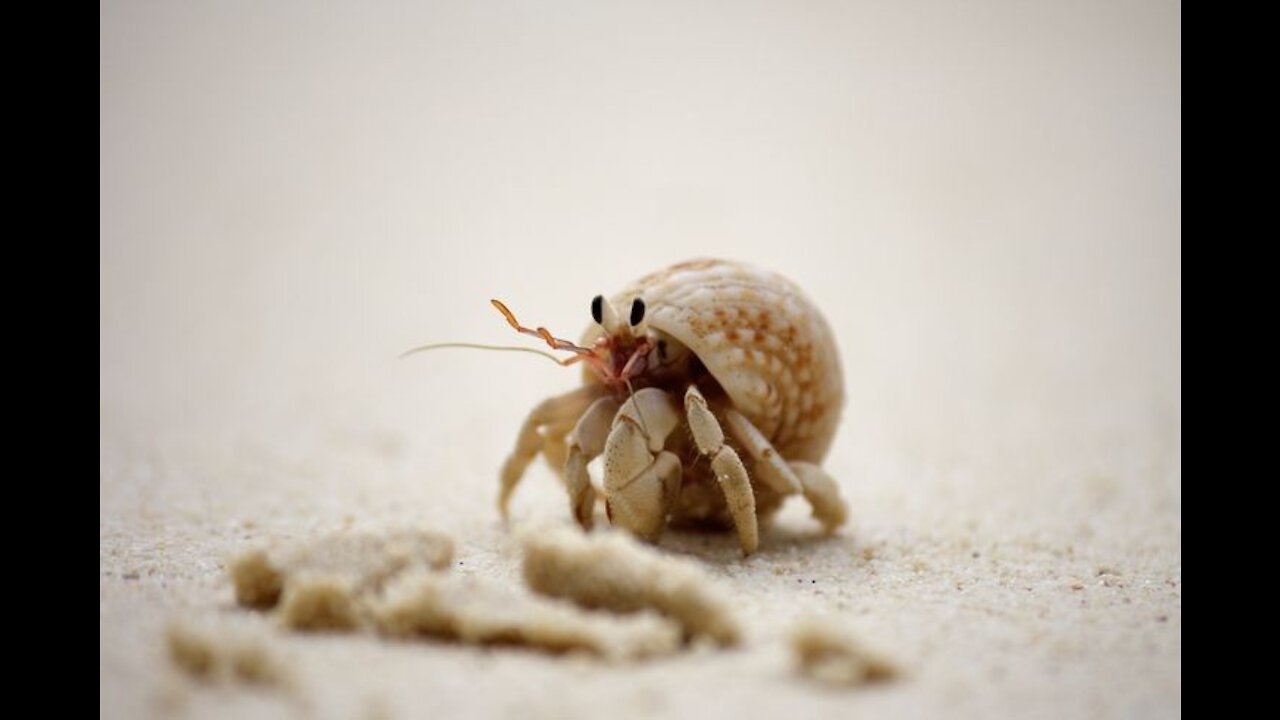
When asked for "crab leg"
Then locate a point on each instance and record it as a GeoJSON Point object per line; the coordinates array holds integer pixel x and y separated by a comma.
{"type": "Point", "coordinates": [585, 442]}
{"type": "Point", "coordinates": [727, 466]}
{"type": "Point", "coordinates": [771, 469]}
{"type": "Point", "coordinates": [823, 494]}
{"type": "Point", "coordinates": [788, 478]}
{"type": "Point", "coordinates": [560, 409]}
{"type": "Point", "coordinates": [555, 449]}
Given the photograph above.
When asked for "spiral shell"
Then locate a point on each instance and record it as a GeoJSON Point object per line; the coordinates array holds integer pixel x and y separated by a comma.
{"type": "Point", "coordinates": [760, 337]}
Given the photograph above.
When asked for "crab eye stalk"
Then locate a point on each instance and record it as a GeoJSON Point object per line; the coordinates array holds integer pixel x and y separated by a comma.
{"type": "Point", "coordinates": [597, 309]}
{"type": "Point", "coordinates": [637, 312]}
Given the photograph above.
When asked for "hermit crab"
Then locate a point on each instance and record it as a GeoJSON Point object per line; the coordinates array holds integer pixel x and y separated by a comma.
{"type": "Point", "coordinates": [711, 388]}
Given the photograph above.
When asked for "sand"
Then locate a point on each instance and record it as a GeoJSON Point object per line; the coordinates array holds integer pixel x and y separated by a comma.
{"type": "Point", "coordinates": [985, 201]}
{"type": "Point", "coordinates": [826, 652]}
{"type": "Point", "coordinates": [612, 572]}
{"type": "Point", "coordinates": [477, 611]}
{"type": "Point", "coordinates": [1070, 612]}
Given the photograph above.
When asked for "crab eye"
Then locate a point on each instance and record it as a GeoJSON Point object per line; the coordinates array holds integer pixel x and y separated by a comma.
{"type": "Point", "coordinates": [597, 309]}
{"type": "Point", "coordinates": [637, 312]}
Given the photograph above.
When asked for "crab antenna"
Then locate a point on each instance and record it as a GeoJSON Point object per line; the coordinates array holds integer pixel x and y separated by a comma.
{"type": "Point", "coordinates": [481, 346]}
{"type": "Point", "coordinates": [541, 333]}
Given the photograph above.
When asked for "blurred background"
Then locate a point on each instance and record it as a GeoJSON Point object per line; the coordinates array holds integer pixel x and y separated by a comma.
{"type": "Point", "coordinates": [983, 197]}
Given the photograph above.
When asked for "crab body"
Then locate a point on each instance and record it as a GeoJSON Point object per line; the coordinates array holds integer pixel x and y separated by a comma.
{"type": "Point", "coordinates": [715, 397]}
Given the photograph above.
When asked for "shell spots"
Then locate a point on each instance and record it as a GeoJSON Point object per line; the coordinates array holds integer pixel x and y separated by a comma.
{"type": "Point", "coordinates": [762, 339]}
{"type": "Point", "coordinates": [815, 413]}
{"type": "Point", "coordinates": [804, 429]}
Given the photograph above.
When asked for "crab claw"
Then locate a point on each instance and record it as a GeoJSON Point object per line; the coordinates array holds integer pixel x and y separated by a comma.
{"type": "Point", "coordinates": [641, 480]}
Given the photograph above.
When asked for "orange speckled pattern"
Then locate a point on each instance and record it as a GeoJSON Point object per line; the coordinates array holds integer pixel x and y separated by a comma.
{"type": "Point", "coordinates": [762, 339]}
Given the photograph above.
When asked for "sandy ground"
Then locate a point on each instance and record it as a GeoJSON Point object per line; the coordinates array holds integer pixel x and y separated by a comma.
{"type": "Point", "coordinates": [985, 203]}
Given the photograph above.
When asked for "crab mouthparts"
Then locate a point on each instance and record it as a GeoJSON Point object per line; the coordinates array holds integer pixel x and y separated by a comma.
{"type": "Point", "coordinates": [625, 359]}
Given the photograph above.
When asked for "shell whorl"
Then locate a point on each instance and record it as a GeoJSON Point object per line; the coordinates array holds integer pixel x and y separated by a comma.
{"type": "Point", "coordinates": [761, 338]}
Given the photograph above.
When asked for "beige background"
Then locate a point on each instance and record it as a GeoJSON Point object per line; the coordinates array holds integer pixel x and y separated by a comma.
{"type": "Point", "coordinates": [985, 198]}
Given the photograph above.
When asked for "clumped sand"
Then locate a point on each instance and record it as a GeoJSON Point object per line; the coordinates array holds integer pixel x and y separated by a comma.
{"type": "Point", "coordinates": [828, 653]}
{"type": "Point", "coordinates": [319, 579]}
{"type": "Point", "coordinates": [613, 571]}
{"type": "Point", "coordinates": [218, 652]}
{"type": "Point", "coordinates": [486, 612]}
{"type": "Point", "coordinates": [398, 585]}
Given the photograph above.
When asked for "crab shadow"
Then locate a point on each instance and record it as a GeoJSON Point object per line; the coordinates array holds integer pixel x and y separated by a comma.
{"type": "Point", "coordinates": [777, 541]}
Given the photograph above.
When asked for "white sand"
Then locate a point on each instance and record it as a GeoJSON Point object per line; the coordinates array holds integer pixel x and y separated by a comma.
{"type": "Point", "coordinates": [986, 202]}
